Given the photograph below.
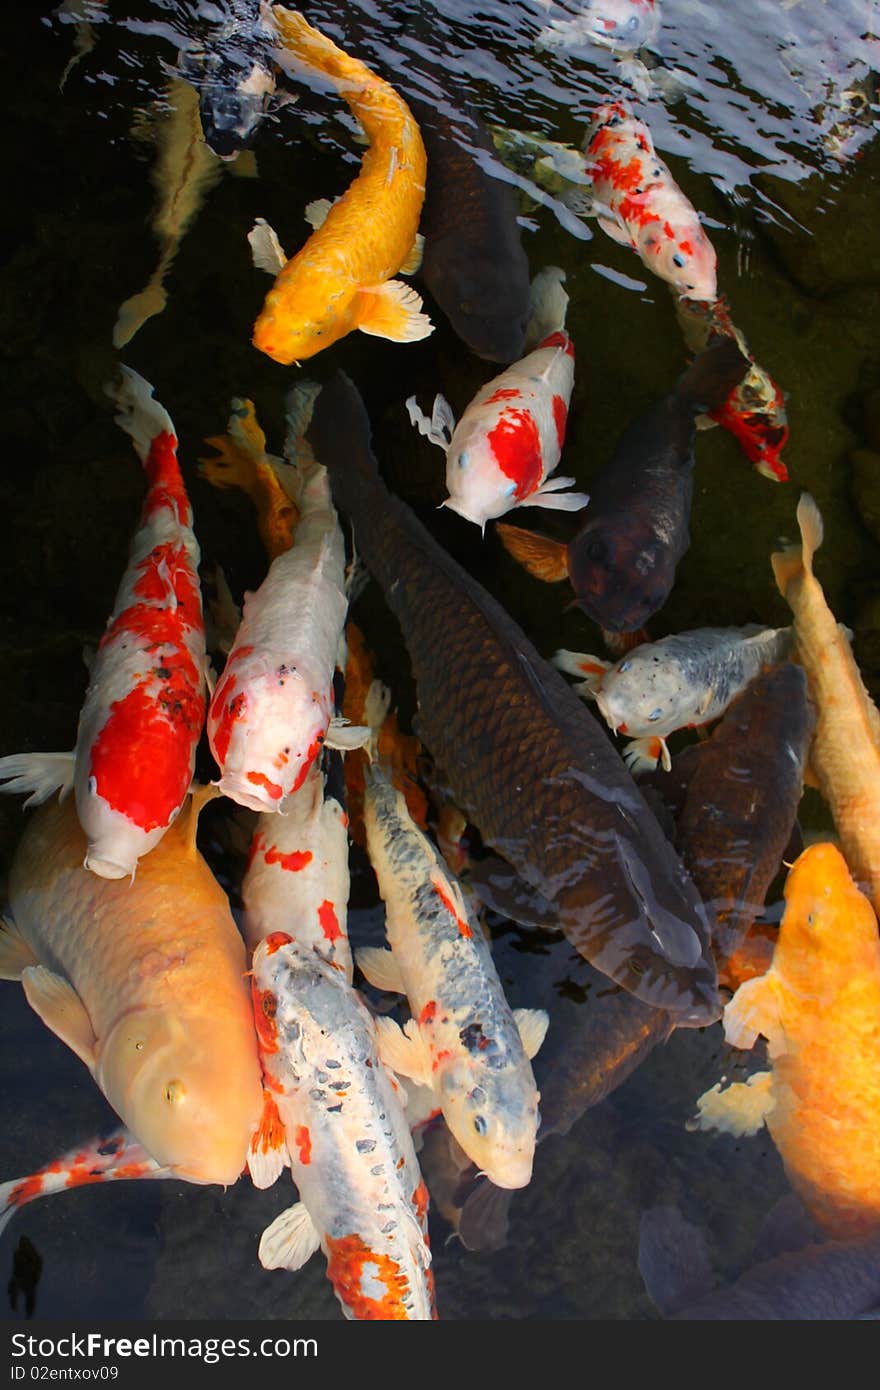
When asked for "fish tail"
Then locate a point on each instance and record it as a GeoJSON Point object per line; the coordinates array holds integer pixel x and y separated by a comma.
{"type": "Point", "coordinates": [711, 377]}
{"type": "Point", "coordinates": [142, 417]}
{"type": "Point", "coordinates": [134, 312]}
{"type": "Point", "coordinates": [810, 522]}
{"type": "Point", "coordinates": [548, 304]}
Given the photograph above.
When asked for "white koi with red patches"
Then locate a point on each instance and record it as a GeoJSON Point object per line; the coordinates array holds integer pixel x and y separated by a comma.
{"type": "Point", "coordinates": [116, 1158]}
{"type": "Point", "coordinates": [644, 206]}
{"type": "Point", "coordinates": [145, 705]}
{"type": "Point", "coordinates": [621, 25]}
{"type": "Point", "coordinates": [272, 709]}
{"type": "Point", "coordinates": [463, 1039]}
{"type": "Point", "coordinates": [297, 879]}
{"type": "Point", "coordinates": [362, 1199]}
{"type": "Point", "coordinates": [502, 452]}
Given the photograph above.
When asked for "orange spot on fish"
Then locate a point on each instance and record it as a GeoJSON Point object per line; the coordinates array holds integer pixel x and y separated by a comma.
{"type": "Point", "coordinates": [463, 927]}
{"type": "Point", "coordinates": [346, 1261]}
{"type": "Point", "coordinates": [420, 1202]}
{"type": "Point", "coordinates": [303, 1141]}
{"type": "Point", "coordinates": [504, 393]}
{"type": "Point", "coordinates": [560, 416]}
{"type": "Point", "coordinates": [329, 921]}
{"type": "Point", "coordinates": [295, 860]}
{"type": "Point", "coordinates": [25, 1191]}
{"type": "Point", "coordinates": [428, 1012]}
{"type": "Point", "coordinates": [559, 339]}
{"type": "Point", "coordinates": [275, 940]}
{"type": "Point", "coordinates": [311, 755]}
{"type": "Point", "coordinates": [440, 1057]}
{"type": "Point", "coordinates": [231, 709]}
{"type": "Point", "coordinates": [259, 779]}
{"type": "Point", "coordinates": [269, 1134]}
{"type": "Point", "coordinates": [163, 476]}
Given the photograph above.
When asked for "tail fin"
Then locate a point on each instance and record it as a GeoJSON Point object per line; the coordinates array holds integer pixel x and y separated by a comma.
{"type": "Point", "coordinates": [139, 414]}
{"type": "Point", "coordinates": [798, 559]}
{"type": "Point", "coordinates": [135, 311]}
{"type": "Point", "coordinates": [712, 376]}
{"type": "Point", "coordinates": [548, 304]}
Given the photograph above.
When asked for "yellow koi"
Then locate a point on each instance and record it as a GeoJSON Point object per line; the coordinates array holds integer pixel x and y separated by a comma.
{"type": "Point", "coordinates": [341, 279]}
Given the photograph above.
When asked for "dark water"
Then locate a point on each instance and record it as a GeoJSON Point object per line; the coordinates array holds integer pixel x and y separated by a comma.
{"type": "Point", "coordinates": [754, 140]}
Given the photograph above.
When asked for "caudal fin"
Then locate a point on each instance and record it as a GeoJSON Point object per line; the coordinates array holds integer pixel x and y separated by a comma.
{"type": "Point", "coordinates": [712, 376]}
{"type": "Point", "coordinates": [797, 560]}
{"type": "Point", "coordinates": [548, 304]}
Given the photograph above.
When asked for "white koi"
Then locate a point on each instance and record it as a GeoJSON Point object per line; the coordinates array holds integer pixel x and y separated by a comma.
{"type": "Point", "coordinates": [682, 681]}
{"type": "Point", "coordinates": [463, 1039]}
{"type": "Point", "coordinates": [502, 452]}
{"type": "Point", "coordinates": [346, 1138]}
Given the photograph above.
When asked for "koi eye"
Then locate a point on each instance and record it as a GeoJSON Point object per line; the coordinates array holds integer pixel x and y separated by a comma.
{"type": "Point", "coordinates": [175, 1092]}
{"type": "Point", "coordinates": [479, 1124]}
{"type": "Point", "coordinates": [510, 490]}
{"type": "Point", "coordinates": [624, 666]}
{"type": "Point", "coordinates": [463, 459]}
{"type": "Point", "coordinates": [654, 716]}
{"type": "Point", "coordinates": [678, 260]}
{"type": "Point", "coordinates": [632, 23]}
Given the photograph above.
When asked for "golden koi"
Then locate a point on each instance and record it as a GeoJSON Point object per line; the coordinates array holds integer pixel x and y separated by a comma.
{"type": "Point", "coordinates": [845, 754]}
{"type": "Point", "coordinates": [144, 981]}
{"type": "Point", "coordinates": [341, 279]}
{"type": "Point", "coordinates": [818, 1006]}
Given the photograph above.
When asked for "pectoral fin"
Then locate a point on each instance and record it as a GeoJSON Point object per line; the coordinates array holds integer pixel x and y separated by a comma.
{"type": "Point", "coordinates": [644, 754]}
{"type": "Point", "coordinates": [267, 1151]}
{"type": "Point", "coordinates": [615, 230]}
{"type": "Point", "coordinates": [414, 259]}
{"type": "Point", "coordinates": [380, 968]}
{"type": "Point", "coordinates": [345, 736]}
{"type": "Point", "coordinates": [753, 1009]}
{"type": "Point", "coordinates": [15, 954]}
{"type": "Point", "coordinates": [61, 1009]}
{"type": "Point", "coordinates": [592, 669]}
{"type": "Point", "coordinates": [316, 212]}
{"type": "Point", "coordinates": [403, 1049]}
{"type": "Point", "coordinates": [741, 1109]}
{"type": "Point", "coordinates": [544, 558]}
{"type": "Point", "coordinates": [290, 1240]}
{"type": "Point", "coordinates": [532, 1025]}
{"type": "Point", "coordinates": [550, 496]}
{"type": "Point", "coordinates": [266, 248]}
{"type": "Point", "coordinates": [392, 310]}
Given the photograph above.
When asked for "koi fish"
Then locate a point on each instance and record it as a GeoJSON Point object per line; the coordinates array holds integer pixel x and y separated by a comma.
{"type": "Point", "coordinates": [754, 412]}
{"type": "Point", "coordinates": [297, 874]}
{"type": "Point", "coordinates": [231, 68]}
{"type": "Point", "coordinates": [341, 279]}
{"type": "Point", "coordinates": [524, 761]}
{"type": "Point", "coordinates": [622, 561]}
{"type": "Point", "coordinates": [114, 1158]}
{"type": "Point", "coordinates": [185, 172]}
{"type": "Point", "coordinates": [510, 438]}
{"type": "Point", "coordinates": [845, 754]}
{"type": "Point", "coordinates": [272, 709]}
{"type": "Point", "coordinates": [645, 208]}
{"type": "Point", "coordinates": [462, 1039]}
{"type": "Point", "coordinates": [145, 983]}
{"type": "Point", "coordinates": [241, 461]}
{"type": "Point", "coordinates": [817, 1006]}
{"type": "Point", "coordinates": [145, 706]}
{"type": "Point", "coordinates": [680, 682]}
{"type": "Point", "coordinates": [621, 25]}
{"type": "Point", "coordinates": [343, 1130]}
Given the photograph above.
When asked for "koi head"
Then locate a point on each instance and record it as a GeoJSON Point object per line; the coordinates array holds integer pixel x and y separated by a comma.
{"type": "Point", "coordinates": [622, 25]}
{"type": "Point", "coordinates": [188, 1087]}
{"type": "Point", "coordinates": [646, 695]}
{"type": "Point", "coordinates": [312, 309]}
{"type": "Point", "coordinates": [828, 925]}
{"type": "Point", "coordinates": [488, 471]}
{"type": "Point", "coordinates": [683, 256]}
{"type": "Point", "coordinates": [491, 1108]}
{"type": "Point", "coordinates": [621, 577]}
{"type": "Point", "coordinates": [266, 734]}
{"type": "Point", "coordinates": [115, 842]}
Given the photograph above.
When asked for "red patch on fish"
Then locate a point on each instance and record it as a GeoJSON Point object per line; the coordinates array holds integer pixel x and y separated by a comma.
{"type": "Point", "coordinates": [163, 476]}
{"type": "Point", "coordinates": [428, 1012]}
{"type": "Point", "coordinates": [25, 1191]}
{"type": "Point", "coordinates": [420, 1202]}
{"type": "Point", "coordinates": [504, 393]}
{"type": "Point", "coordinates": [142, 758]}
{"type": "Point", "coordinates": [232, 708]}
{"type": "Point", "coordinates": [346, 1259]}
{"type": "Point", "coordinates": [275, 940]}
{"type": "Point", "coordinates": [259, 779]}
{"type": "Point", "coordinates": [560, 417]}
{"type": "Point", "coordinates": [265, 1006]}
{"type": "Point", "coordinates": [559, 339]}
{"type": "Point", "coordinates": [294, 861]}
{"type": "Point", "coordinates": [516, 445]}
{"type": "Point", "coordinates": [303, 1141]}
{"type": "Point", "coordinates": [311, 755]}
{"type": "Point", "coordinates": [329, 921]}
{"type": "Point", "coordinates": [440, 1057]}
{"type": "Point", "coordinates": [269, 1134]}
{"type": "Point", "coordinates": [446, 900]}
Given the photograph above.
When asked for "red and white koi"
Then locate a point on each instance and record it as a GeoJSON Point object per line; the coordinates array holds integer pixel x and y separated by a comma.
{"type": "Point", "coordinates": [642, 206]}
{"type": "Point", "coordinates": [145, 705]}
{"type": "Point", "coordinates": [297, 876]}
{"type": "Point", "coordinates": [463, 1039]}
{"type": "Point", "coordinates": [340, 1123]}
{"type": "Point", "coordinates": [501, 453]}
{"type": "Point", "coordinates": [621, 25]}
{"type": "Point", "coordinates": [114, 1158]}
{"type": "Point", "coordinates": [754, 412]}
{"type": "Point", "coordinates": [682, 681]}
{"type": "Point", "coordinates": [272, 710]}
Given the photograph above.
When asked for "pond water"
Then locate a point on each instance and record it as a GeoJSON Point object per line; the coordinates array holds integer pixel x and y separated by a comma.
{"type": "Point", "coordinates": [752, 107]}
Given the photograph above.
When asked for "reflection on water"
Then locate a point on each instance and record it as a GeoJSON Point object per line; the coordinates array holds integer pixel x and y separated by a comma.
{"type": "Point", "coordinates": [767, 120]}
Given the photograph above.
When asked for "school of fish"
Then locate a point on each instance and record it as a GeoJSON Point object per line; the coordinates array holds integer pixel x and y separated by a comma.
{"type": "Point", "coordinates": [398, 1083]}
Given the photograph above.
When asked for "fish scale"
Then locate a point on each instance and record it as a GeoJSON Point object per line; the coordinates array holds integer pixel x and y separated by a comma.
{"type": "Point", "coordinates": [523, 758]}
